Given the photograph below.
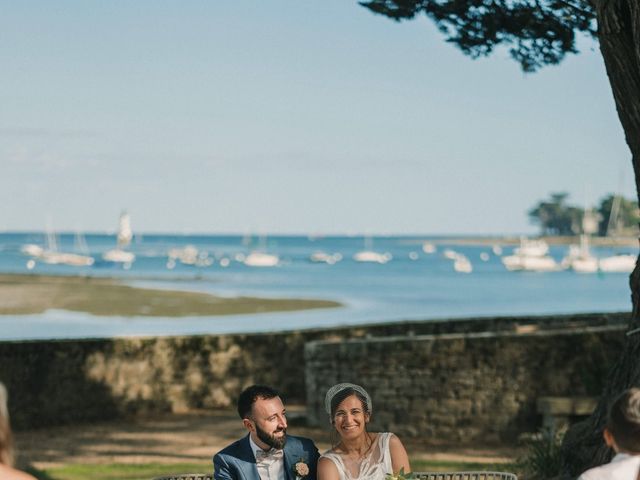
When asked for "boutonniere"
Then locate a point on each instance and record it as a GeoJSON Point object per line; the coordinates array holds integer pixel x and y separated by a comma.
{"type": "Point", "coordinates": [301, 469]}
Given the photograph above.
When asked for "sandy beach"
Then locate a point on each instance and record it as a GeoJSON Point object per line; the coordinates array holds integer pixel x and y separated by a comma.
{"type": "Point", "coordinates": [32, 294]}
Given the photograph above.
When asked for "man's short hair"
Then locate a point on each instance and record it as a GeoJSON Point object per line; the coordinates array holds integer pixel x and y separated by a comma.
{"type": "Point", "coordinates": [249, 396]}
{"type": "Point", "coordinates": [624, 420]}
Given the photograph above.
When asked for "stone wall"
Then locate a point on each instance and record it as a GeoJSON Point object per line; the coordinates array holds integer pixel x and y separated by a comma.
{"type": "Point", "coordinates": [460, 388]}
{"type": "Point", "coordinates": [55, 382]}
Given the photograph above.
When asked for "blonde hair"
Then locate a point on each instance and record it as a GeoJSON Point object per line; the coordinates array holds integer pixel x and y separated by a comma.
{"type": "Point", "coordinates": [6, 441]}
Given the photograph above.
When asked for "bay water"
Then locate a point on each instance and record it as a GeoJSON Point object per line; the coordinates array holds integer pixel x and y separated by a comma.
{"type": "Point", "coordinates": [413, 285]}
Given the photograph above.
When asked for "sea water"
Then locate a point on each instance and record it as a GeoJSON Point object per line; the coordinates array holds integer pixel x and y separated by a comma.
{"type": "Point", "coordinates": [413, 285]}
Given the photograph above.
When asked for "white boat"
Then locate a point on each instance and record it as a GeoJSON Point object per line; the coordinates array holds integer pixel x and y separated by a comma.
{"type": "Point", "coordinates": [462, 264]}
{"type": "Point", "coordinates": [32, 250]}
{"type": "Point", "coordinates": [585, 264]}
{"type": "Point", "coordinates": [52, 256]}
{"type": "Point", "coordinates": [579, 258]}
{"type": "Point", "coordinates": [368, 255]}
{"type": "Point", "coordinates": [618, 263]}
{"type": "Point", "coordinates": [542, 263]}
{"type": "Point", "coordinates": [258, 257]}
{"type": "Point", "coordinates": [324, 257]}
{"type": "Point", "coordinates": [372, 257]}
{"type": "Point", "coordinates": [261, 259]}
{"type": "Point", "coordinates": [125, 234]}
{"type": "Point", "coordinates": [532, 248]}
{"type": "Point", "coordinates": [530, 256]}
{"type": "Point", "coordinates": [428, 247]}
{"type": "Point", "coordinates": [450, 254]}
{"type": "Point", "coordinates": [188, 255]}
{"type": "Point", "coordinates": [72, 259]}
{"type": "Point", "coordinates": [118, 255]}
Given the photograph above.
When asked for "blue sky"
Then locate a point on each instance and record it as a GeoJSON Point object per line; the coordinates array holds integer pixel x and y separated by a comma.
{"type": "Point", "coordinates": [286, 117]}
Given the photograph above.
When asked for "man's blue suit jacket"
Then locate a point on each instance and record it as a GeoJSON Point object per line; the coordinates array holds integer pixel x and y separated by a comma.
{"type": "Point", "coordinates": [237, 461]}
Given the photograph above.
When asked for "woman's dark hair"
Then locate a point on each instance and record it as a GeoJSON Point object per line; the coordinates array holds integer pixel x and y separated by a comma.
{"type": "Point", "coordinates": [624, 420]}
{"type": "Point", "coordinates": [249, 396]}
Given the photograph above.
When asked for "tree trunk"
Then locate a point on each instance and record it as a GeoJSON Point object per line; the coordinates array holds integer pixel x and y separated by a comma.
{"type": "Point", "coordinates": [619, 34]}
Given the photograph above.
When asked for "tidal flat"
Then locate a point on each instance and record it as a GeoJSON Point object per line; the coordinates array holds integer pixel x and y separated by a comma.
{"type": "Point", "coordinates": [22, 294]}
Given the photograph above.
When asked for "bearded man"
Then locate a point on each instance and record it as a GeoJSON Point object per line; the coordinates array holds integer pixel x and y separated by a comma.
{"type": "Point", "coordinates": [267, 452]}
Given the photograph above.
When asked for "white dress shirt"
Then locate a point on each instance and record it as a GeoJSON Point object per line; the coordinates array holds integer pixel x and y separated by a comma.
{"type": "Point", "coordinates": [622, 467]}
{"type": "Point", "coordinates": [271, 468]}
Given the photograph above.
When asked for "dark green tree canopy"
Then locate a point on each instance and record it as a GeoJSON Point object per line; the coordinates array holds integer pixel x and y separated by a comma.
{"type": "Point", "coordinates": [555, 217]}
{"type": "Point", "coordinates": [537, 33]}
{"type": "Point", "coordinates": [618, 216]}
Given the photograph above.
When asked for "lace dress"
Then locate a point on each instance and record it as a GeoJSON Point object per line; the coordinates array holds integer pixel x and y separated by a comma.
{"type": "Point", "coordinates": [372, 467]}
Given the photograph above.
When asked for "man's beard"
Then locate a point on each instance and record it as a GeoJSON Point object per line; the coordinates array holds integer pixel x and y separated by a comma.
{"type": "Point", "coordinates": [272, 441]}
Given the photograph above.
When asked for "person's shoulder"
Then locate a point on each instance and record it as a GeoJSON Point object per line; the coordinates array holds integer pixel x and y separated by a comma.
{"type": "Point", "coordinates": [621, 469]}
{"type": "Point", "coordinates": [8, 473]}
{"type": "Point", "coordinates": [328, 462]}
{"type": "Point", "coordinates": [595, 473]}
{"type": "Point", "coordinates": [233, 447]}
{"type": "Point", "coordinates": [392, 437]}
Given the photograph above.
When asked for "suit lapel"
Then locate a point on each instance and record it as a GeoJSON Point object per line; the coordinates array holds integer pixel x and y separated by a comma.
{"type": "Point", "coordinates": [248, 458]}
{"type": "Point", "coordinates": [288, 462]}
{"type": "Point", "coordinates": [292, 455]}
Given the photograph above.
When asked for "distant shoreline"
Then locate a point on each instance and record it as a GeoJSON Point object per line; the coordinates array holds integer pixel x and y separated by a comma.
{"type": "Point", "coordinates": [551, 240]}
{"type": "Point", "coordinates": [24, 294]}
{"type": "Point", "coordinates": [459, 239]}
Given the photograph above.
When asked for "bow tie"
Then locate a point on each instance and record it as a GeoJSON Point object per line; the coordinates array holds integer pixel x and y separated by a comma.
{"type": "Point", "coordinates": [269, 455]}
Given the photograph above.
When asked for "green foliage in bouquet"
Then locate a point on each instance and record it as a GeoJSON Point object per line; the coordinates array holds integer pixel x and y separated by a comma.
{"type": "Point", "coordinates": [400, 475]}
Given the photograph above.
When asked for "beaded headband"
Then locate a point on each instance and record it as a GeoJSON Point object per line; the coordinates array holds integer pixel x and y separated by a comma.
{"type": "Point", "coordinates": [336, 389]}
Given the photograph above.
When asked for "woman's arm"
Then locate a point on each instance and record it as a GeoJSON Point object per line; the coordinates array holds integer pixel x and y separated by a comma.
{"type": "Point", "coordinates": [399, 457]}
{"type": "Point", "coordinates": [327, 470]}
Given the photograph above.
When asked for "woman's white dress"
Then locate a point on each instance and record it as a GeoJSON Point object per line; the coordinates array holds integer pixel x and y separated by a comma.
{"type": "Point", "coordinates": [375, 466]}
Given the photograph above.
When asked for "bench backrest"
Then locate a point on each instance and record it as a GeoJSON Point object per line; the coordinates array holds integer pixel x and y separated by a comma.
{"type": "Point", "coordinates": [419, 475]}
{"type": "Point", "coordinates": [187, 476]}
{"type": "Point", "coordinates": [476, 475]}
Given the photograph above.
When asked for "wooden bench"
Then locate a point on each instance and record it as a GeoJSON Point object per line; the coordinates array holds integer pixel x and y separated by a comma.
{"type": "Point", "coordinates": [475, 475]}
{"type": "Point", "coordinates": [187, 476]}
{"type": "Point", "coordinates": [557, 412]}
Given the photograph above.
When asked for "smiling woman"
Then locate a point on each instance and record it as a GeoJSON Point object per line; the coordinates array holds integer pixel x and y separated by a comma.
{"type": "Point", "coordinates": [358, 454]}
{"type": "Point", "coordinates": [29, 294]}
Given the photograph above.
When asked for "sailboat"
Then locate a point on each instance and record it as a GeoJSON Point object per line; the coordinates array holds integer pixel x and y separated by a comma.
{"type": "Point", "coordinates": [369, 255]}
{"type": "Point", "coordinates": [324, 257]}
{"type": "Point", "coordinates": [260, 258]}
{"type": "Point", "coordinates": [531, 255]}
{"type": "Point", "coordinates": [580, 259]}
{"type": "Point", "coordinates": [621, 263]}
{"type": "Point", "coordinates": [52, 256]}
{"type": "Point", "coordinates": [462, 264]}
{"type": "Point", "coordinates": [125, 234]}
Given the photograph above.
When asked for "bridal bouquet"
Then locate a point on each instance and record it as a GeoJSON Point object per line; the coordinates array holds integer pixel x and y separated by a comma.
{"type": "Point", "coordinates": [400, 475]}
